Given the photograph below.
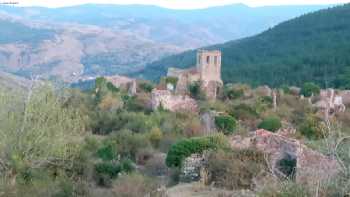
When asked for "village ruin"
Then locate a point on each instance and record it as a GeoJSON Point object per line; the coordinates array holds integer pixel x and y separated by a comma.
{"type": "Point", "coordinates": [207, 72]}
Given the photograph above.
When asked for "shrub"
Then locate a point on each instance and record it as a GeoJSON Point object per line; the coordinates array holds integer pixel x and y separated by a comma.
{"type": "Point", "coordinates": [311, 127]}
{"type": "Point", "coordinates": [129, 143]}
{"type": "Point", "coordinates": [134, 185]}
{"type": "Point", "coordinates": [185, 148]}
{"type": "Point", "coordinates": [232, 93]}
{"type": "Point", "coordinates": [285, 189]}
{"type": "Point", "coordinates": [244, 112]}
{"type": "Point", "coordinates": [271, 124]}
{"type": "Point", "coordinates": [105, 172]}
{"type": "Point", "coordinates": [286, 89]}
{"type": "Point", "coordinates": [111, 169]}
{"type": "Point", "coordinates": [146, 87]}
{"type": "Point", "coordinates": [310, 89]}
{"type": "Point", "coordinates": [226, 124]}
{"type": "Point", "coordinates": [171, 80]}
{"type": "Point", "coordinates": [107, 152]}
{"type": "Point", "coordinates": [155, 136]}
{"type": "Point", "coordinates": [196, 91]}
{"type": "Point", "coordinates": [235, 169]}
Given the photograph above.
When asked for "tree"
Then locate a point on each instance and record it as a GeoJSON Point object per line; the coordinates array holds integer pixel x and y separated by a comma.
{"type": "Point", "coordinates": [185, 148]}
{"type": "Point", "coordinates": [37, 132]}
{"type": "Point", "coordinates": [271, 124]}
{"type": "Point", "coordinates": [343, 80]}
{"type": "Point", "coordinates": [310, 89]}
{"type": "Point", "coordinates": [226, 124]}
{"type": "Point", "coordinates": [196, 91]}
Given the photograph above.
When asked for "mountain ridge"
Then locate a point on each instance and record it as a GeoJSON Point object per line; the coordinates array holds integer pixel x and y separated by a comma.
{"type": "Point", "coordinates": [311, 47]}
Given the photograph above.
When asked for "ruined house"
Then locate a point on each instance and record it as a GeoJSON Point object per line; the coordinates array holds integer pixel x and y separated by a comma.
{"type": "Point", "coordinates": [207, 71]}
{"type": "Point", "coordinates": [330, 101]}
{"type": "Point", "coordinates": [162, 97]}
{"type": "Point", "coordinates": [123, 82]}
{"type": "Point", "coordinates": [305, 165]}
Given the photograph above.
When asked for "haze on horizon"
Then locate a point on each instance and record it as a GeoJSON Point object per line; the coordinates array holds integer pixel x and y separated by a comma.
{"type": "Point", "coordinates": [175, 4]}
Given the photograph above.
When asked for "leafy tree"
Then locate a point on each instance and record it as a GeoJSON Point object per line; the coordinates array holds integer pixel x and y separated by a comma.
{"type": "Point", "coordinates": [226, 124]}
{"type": "Point", "coordinates": [37, 132]}
{"type": "Point", "coordinates": [271, 123]}
{"type": "Point", "coordinates": [172, 80]}
{"type": "Point", "coordinates": [146, 87]}
{"type": "Point", "coordinates": [196, 91]}
{"type": "Point", "coordinates": [311, 127]}
{"type": "Point", "coordinates": [185, 148]}
{"type": "Point", "coordinates": [310, 89]}
{"type": "Point", "coordinates": [243, 112]}
{"type": "Point", "coordinates": [343, 80]}
{"type": "Point", "coordinates": [232, 93]}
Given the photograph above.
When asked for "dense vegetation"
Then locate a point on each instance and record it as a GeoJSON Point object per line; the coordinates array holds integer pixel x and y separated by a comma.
{"type": "Point", "coordinates": [14, 32]}
{"type": "Point", "coordinates": [104, 142]}
{"type": "Point", "coordinates": [314, 47]}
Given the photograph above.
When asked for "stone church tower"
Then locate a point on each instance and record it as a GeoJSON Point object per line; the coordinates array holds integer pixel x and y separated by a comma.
{"type": "Point", "coordinates": [209, 68]}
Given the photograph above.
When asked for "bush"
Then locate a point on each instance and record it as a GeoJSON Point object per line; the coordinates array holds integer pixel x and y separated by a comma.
{"type": "Point", "coordinates": [232, 93]}
{"type": "Point", "coordinates": [310, 89]}
{"type": "Point", "coordinates": [271, 124]}
{"type": "Point", "coordinates": [185, 148]}
{"type": "Point", "coordinates": [133, 185]}
{"type": "Point", "coordinates": [107, 152]}
{"type": "Point", "coordinates": [129, 143]}
{"type": "Point", "coordinates": [146, 87]}
{"type": "Point", "coordinates": [235, 169]}
{"type": "Point", "coordinates": [244, 112]}
{"type": "Point", "coordinates": [196, 91]}
{"type": "Point", "coordinates": [226, 124]}
{"type": "Point", "coordinates": [171, 80]}
{"type": "Point", "coordinates": [105, 172]}
{"type": "Point", "coordinates": [312, 128]}
{"type": "Point", "coordinates": [111, 169]}
{"type": "Point", "coordinates": [285, 189]}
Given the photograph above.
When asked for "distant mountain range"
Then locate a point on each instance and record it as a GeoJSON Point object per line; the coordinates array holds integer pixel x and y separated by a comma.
{"type": "Point", "coordinates": [89, 40]}
{"type": "Point", "coordinates": [313, 47]}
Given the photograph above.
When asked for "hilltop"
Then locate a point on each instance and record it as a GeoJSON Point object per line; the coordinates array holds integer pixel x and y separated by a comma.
{"type": "Point", "coordinates": [313, 47]}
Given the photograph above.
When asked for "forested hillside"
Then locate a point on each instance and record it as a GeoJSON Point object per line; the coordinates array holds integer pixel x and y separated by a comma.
{"type": "Point", "coordinates": [313, 47]}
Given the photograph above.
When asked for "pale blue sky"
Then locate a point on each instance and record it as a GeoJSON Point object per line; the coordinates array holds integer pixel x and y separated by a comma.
{"type": "Point", "coordinates": [178, 4]}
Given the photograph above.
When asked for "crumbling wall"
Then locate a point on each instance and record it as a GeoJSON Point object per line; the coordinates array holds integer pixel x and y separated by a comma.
{"type": "Point", "coordinates": [171, 102]}
{"type": "Point", "coordinates": [311, 166]}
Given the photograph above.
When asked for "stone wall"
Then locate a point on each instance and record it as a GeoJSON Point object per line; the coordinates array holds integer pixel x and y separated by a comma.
{"type": "Point", "coordinates": [209, 65]}
{"type": "Point", "coordinates": [172, 102]}
{"type": "Point", "coordinates": [126, 83]}
{"type": "Point", "coordinates": [311, 166]}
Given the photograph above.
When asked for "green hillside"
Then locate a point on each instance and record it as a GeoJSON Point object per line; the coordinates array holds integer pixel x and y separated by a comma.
{"type": "Point", "coordinates": [313, 47]}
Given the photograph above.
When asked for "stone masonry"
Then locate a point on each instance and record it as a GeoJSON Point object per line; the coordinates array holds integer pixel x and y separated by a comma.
{"type": "Point", "coordinates": [310, 167]}
{"type": "Point", "coordinates": [172, 102]}
{"type": "Point", "coordinates": [207, 71]}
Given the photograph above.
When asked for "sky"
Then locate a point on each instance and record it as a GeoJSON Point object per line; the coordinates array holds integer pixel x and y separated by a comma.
{"type": "Point", "coordinates": [175, 4]}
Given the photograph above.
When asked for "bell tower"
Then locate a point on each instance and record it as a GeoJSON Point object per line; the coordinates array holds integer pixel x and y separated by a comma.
{"type": "Point", "coordinates": [209, 68]}
{"type": "Point", "coordinates": [209, 65]}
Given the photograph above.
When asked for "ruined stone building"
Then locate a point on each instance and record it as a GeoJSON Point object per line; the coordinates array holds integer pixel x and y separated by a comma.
{"type": "Point", "coordinates": [123, 82]}
{"type": "Point", "coordinates": [168, 100]}
{"type": "Point", "coordinates": [207, 72]}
